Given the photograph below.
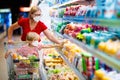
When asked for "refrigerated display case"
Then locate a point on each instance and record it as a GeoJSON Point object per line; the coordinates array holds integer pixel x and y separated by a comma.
{"type": "Point", "coordinates": [95, 26]}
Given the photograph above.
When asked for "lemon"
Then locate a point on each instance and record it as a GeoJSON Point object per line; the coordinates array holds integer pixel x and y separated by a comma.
{"type": "Point", "coordinates": [28, 61]}
{"type": "Point", "coordinates": [19, 57]}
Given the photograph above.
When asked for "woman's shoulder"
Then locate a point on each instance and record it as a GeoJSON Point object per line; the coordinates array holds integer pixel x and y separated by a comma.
{"type": "Point", "coordinates": [24, 19]}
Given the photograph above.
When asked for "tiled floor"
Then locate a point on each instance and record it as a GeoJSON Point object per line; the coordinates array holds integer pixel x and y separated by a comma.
{"type": "Point", "coordinates": [3, 64]}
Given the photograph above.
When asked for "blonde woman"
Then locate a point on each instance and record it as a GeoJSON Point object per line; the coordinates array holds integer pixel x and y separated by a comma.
{"type": "Point", "coordinates": [31, 24]}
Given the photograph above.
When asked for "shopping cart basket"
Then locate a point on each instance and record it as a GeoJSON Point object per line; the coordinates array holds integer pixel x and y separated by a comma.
{"type": "Point", "coordinates": [21, 68]}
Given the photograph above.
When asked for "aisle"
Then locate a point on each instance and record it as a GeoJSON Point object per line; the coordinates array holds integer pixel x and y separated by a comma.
{"type": "Point", "coordinates": [3, 65]}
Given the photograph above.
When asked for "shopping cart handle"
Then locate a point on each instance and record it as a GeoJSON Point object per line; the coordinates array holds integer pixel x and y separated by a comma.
{"type": "Point", "coordinates": [5, 43]}
{"type": "Point", "coordinates": [15, 61]}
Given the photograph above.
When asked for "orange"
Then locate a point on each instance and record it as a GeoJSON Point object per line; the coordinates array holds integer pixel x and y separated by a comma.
{"type": "Point", "coordinates": [14, 56]}
{"type": "Point", "coordinates": [99, 73]}
{"type": "Point", "coordinates": [102, 46]}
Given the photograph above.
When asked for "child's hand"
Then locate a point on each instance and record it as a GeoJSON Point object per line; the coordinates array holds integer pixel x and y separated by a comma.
{"type": "Point", "coordinates": [7, 54]}
{"type": "Point", "coordinates": [63, 42]}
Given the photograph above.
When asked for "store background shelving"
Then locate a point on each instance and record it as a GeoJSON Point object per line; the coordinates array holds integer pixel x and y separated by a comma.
{"type": "Point", "coordinates": [73, 2]}
{"type": "Point", "coordinates": [101, 22]}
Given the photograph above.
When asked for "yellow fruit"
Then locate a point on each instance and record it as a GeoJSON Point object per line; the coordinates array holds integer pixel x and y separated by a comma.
{"type": "Point", "coordinates": [101, 46]}
{"type": "Point", "coordinates": [19, 57]}
{"type": "Point", "coordinates": [105, 78]}
{"type": "Point", "coordinates": [72, 51]}
{"type": "Point", "coordinates": [28, 61]}
{"type": "Point", "coordinates": [108, 49]}
{"type": "Point", "coordinates": [65, 53]}
{"type": "Point", "coordinates": [113, 51]}
{"type": "Point", "coordinates": [99, 73]}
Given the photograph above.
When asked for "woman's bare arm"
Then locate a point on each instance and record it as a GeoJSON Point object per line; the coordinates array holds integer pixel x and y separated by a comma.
{"type": "Point", "coordinates": [10, 31]}
{"type": "Point", "coordinates": [51, 37]}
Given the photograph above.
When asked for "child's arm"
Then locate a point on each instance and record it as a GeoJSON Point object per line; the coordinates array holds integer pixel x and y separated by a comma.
{"type": "Point", "coordinates": [40, 46]}
{"type": "Point", "coordinates": [51, 46]}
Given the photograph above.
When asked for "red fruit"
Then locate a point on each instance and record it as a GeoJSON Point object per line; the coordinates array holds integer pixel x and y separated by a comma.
{"type": "Point", "coordinates": [67, 8]}
{"type": "Point", "coordinates": [70, 26]}
{"type": "Point", "coordinates": [66, 31]}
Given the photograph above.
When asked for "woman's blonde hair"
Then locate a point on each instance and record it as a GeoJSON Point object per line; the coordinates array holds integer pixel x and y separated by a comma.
{"type": "Point", "coordinates": [31, 36]}
{"type": "Point", "coordinates": [33, 10]}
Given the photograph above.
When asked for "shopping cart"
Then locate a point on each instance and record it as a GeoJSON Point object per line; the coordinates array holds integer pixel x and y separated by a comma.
{"type": "Point", "coordinates": [21, 68]}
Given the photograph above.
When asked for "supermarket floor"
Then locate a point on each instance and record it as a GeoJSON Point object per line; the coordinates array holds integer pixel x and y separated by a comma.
{"type": "Point", "coordinates": [3, 64]}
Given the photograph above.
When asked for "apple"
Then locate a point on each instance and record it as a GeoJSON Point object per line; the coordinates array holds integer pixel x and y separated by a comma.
{"type": "Point", "coordinates": [70, 26]}
{"type": "Point", "coordinates": [77, 28]}
{"type": "Point", "coordinates": [67, 8]}
{"type": "Point", "coordinates": [74, 34]}
{"type": "Point", "coordinates": [66, 31]}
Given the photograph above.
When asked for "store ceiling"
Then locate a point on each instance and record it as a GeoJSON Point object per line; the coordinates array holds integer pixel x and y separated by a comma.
{"type": "Point", "coordinates": [14, 3]}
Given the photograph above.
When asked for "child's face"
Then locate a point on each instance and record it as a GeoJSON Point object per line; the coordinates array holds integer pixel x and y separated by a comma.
{"type": "Point", "coordinates": [35, 43]}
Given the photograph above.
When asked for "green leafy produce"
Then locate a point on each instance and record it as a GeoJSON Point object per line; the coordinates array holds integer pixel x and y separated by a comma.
{"type": "Point", "coordinates": [34, 64]}
{"type": "Point", "coordinates": [54, 71]}
{"type": "Point", "coordinates": [32, 58]}
{"type": "Point", "coordinates": [32, 61]}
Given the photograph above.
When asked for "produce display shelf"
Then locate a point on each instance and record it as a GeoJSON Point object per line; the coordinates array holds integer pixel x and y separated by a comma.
{"type": "Point", "coordinates": [73, 2]}
{"type": "Point", "coordinates": [113, 23]}
{"type": "Point", "coordinates": [109, 60]}
{"type": "Point", "coordinates": [80, 76]}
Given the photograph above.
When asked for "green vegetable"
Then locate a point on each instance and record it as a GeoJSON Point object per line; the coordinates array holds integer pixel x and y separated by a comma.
{"type": "Point", "coordinates": [32, 58]}
{"type": "Point", "coordinates": [32, 61]}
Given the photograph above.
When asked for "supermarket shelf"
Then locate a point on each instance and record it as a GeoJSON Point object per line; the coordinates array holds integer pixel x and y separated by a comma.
{"type": "Point", "coordinates": [102, 22]}
{"type": "Point", "coordinates": [80, 76]}
{"type": "Point", "coordinates": [110, 61]}
{"type": "Point", "coordinates": [56, 18]}
{"type": "Point", "coordinates": [73, 2]}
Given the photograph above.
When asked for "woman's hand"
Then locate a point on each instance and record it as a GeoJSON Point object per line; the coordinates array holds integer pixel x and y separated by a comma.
{"type": "Point", "coordinates": [10, 41]}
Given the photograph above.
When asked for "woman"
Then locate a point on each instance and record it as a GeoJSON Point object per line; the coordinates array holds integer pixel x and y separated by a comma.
{"type": "Point", "coordinates": [31, 24]}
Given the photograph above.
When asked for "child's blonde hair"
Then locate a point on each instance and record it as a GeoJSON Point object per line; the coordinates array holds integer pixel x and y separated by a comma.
{"type": "Point", "coordinates": [32, 36]}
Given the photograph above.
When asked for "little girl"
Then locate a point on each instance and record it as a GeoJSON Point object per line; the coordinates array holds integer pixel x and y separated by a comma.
{"type": "Point", "coordinates": [32, 47]}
